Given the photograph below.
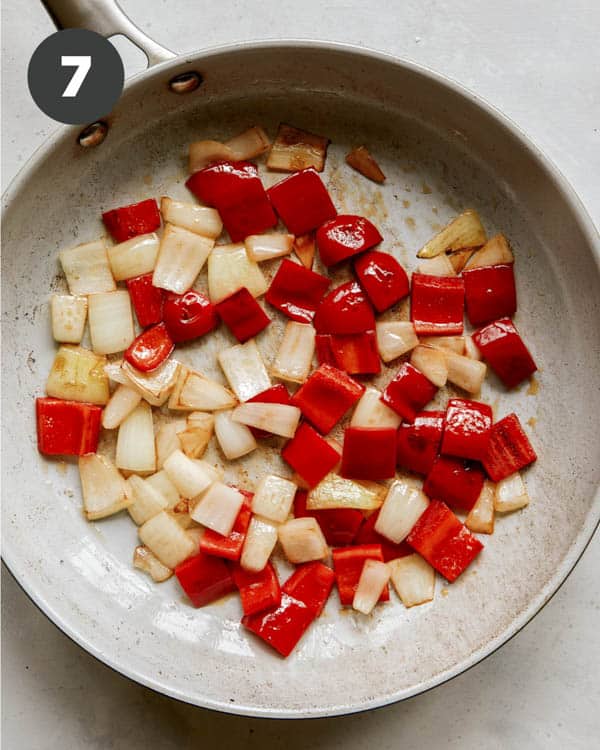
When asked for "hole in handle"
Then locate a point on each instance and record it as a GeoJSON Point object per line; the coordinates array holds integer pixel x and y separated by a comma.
{"type": "Point", "coordinates": [93, 134]}
{"type": "Point", "coordinates": [185, 83]}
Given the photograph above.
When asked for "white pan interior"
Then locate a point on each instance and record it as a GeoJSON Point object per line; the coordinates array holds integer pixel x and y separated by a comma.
{"type": "Point", "coordinates": [441, 152]}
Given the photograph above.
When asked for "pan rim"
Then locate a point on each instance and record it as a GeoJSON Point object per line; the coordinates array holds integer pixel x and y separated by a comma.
{"type": "Point", "coordinates": [568, 195]}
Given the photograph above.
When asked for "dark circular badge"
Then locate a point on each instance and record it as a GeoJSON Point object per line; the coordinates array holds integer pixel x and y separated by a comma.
{"type": "Point", "coordinates": [75, 76]}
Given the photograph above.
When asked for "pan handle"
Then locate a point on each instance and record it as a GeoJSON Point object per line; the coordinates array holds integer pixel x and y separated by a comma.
{"type": "Point", "coordinates": [106, 18]}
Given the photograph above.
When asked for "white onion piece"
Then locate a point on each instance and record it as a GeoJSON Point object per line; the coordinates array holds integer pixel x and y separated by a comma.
{"type": "Point", "coordinates": [155, 386]}
{"type": "Point", "coordinates": [235, 439]}
{"type": "Point", "coordinates": [87, 268]}
{"type": "Point", "coordinates": [195, 438]}
{"type": "Point", "coordinates": [147, 500]}
{"type": "Point", "coordinates": [481, 515]}
{"type": "Point", "coordinates": [305, 247]}
{"type": "Point", "coordinates": [453, 343]}
{"type": "Point", "coordinates": [296, 149]}
{"type": "Point", "coordinates": [273, 498]}
{"type": "Point", "coordinates": [511, 494]}
{"type": "Point", "coordinates": [167, 439]}
{"type": "Point", "coordinates": [166, 539]}
{"type": "Point", "coordinates": [465, 231]}
{"type": "Point", "coordinates": [260, 541]}
{"type": "Point", "coordinates": [136, 451]}
{"type": "Point", "coordinates": [471, 349]}
{"type": "Point", "coordinates": [111, 321]}
{"type": "Point", "coordinates": [438, 266]}
{"type": "Point", "coordinates": [336, 492]}
{"type": "Point", "coordinates": [218, 507]}
{"type": "Point", "coordinates": [459, 259]}
{"type": "Point", "coordinates": [190, 477]}
{"type": "Point", "coordinates": [495, 251]}
{"type": "Point", "coordinates": [370, 411]}
{"type": "Point", "coordinates": [120, 405]}
{"type": "Point", "coordinates": [394, 338]}
{"type": "Point", "coordinates": [400, 511]}
{"type": "Point", "coordinates": [431, 362]}
{"type": "Point", "coordinates": [371, 584]}
{"type": "Point", "coordinates": [181, 256]}
{"type": "Point", "coordinates": [278, 419]}
{"type": "Point", "coordinates": [180, 513]}
{"type": "Point", "coordinates": [104, 490]}
{"type": "Point", "coordinates": [114, 372]}
{"type": "Point", "coordinates": [249, 144]}
{"type": "Point", "coordinates": [133, 257]}
{"type": "Point", "coordinates": [68, 314]}
{"type": "Point", "coordinates": [413, 579]}
{"type": "Point", "coordinates": [465, 372]}
{"type": "Point", "coordinates": [229, 269]}
{"type": "Point", "coordinates": [245, 370]}
{"type": "Point", "coordinates": [198, 219]}
{"type": "Point", "coordinates": [163, 485]}
{"type": "Point", "coordinates": [195, 391]}
{"type": "Point", "coordinates": [145, 560]}
{"type": "Point", "coordinates": [302, 540]}
{"type": "Point", "coordinates": [203, 153]}
{"type": "Point", "coordinates": [77, 374]}
{"type": "Point", "coordinates": [295, 354]}
{"type": "Point", "coordinates": [262, 247]}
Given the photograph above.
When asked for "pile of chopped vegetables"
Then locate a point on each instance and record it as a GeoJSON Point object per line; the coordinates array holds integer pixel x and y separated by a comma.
{"type": "Point", "coordinates": [380, 507]}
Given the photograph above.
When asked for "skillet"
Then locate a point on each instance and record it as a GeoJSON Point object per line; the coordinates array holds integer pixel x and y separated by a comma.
{"type": "Point", "coordinates": [443, 149]}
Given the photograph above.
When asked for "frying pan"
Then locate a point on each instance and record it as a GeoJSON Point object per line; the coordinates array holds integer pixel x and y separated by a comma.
{"type": "Point", "coordinates": [443, 149]}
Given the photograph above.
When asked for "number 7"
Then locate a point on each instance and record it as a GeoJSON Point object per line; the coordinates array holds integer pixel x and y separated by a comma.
{"type": "Point", "coordinates": [83, 63]}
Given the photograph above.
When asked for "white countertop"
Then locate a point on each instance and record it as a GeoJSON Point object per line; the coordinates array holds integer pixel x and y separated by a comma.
{"type": "Point", "coordinates": [538, 61]}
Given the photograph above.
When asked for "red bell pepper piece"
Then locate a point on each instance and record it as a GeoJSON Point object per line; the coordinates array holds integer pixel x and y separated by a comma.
{"type": "Point", "coordinates": [189, 316]}
{"type": "Point", "coordinates": [147, 300]}
{"type": "Point", "coordinates": [323, 349]}
{"type": "Point", "coordinates": [436, 304]}
{"type": "Point", "coordinates": [503, 349]}
{"type": "Point", "coordinates": [303, 597]}
{"type": "Point", "coordinates": [204, 578]}
{"type": "Point", "coordinates": [277, 394]}
{"type": "Point", "coordinates": [310, 584]}
{"type": "Point", "coordinates": [130, 221]}
{"type": "Point", "coordinates": [369, 453]}
{"type": "Point", "coordinates": [302, 201]}
{"type": "Point", "coordinates": [345, 236]}
{"type": "Point", "coordinates": [235, 190]}
{"type": "Point", "coordinates": [229, 547]}
{"type": "Point", "coordinates": [443, 541]}
{"type": "Point", "coordinates": [348, 563]}
{"type": "Point", "coordinates": [509, 449]}
{"type": "Point", "coordinates": [150, 349]}
{"type": "Point", "coordinates": [419, 443]}
{"type": "Point", "coordinates": [283, 626]}
{"type": "Point", "coordinates": [326, 396]}
{"type": "Point", "coordinates": [408, 392]}
{"type": "Point", "coordinates": [382, 277]}
{"type": "Point", "coordinates": [242, 314]}
{"type": "Point", "coordinates": [339, 525]}
{"type": "Point", "coordinates": [467, 429]}
{"type": "Point", "coordinates": [490, 293]}
{"type": "Point", "coordinates": [455, 481]}
{"type": "Point", "coordinates": [344, 310]}
{"type": "Point", "coordinates": [356, 353]}
{"type": "Point", "coordinates": [67, 428]}
{"type": "Point", "coordinates": [310, 455]}
{"type": "Point", "coordinates": [368, 535]}
{"type": "Point", "coordinates": [258, 591]}
{"type": "Point", "coordinates": [296, 291]}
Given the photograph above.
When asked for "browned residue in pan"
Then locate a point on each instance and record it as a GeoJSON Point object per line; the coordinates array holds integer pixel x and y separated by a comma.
{"type": "Point", "coordinates": [534, 387]}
